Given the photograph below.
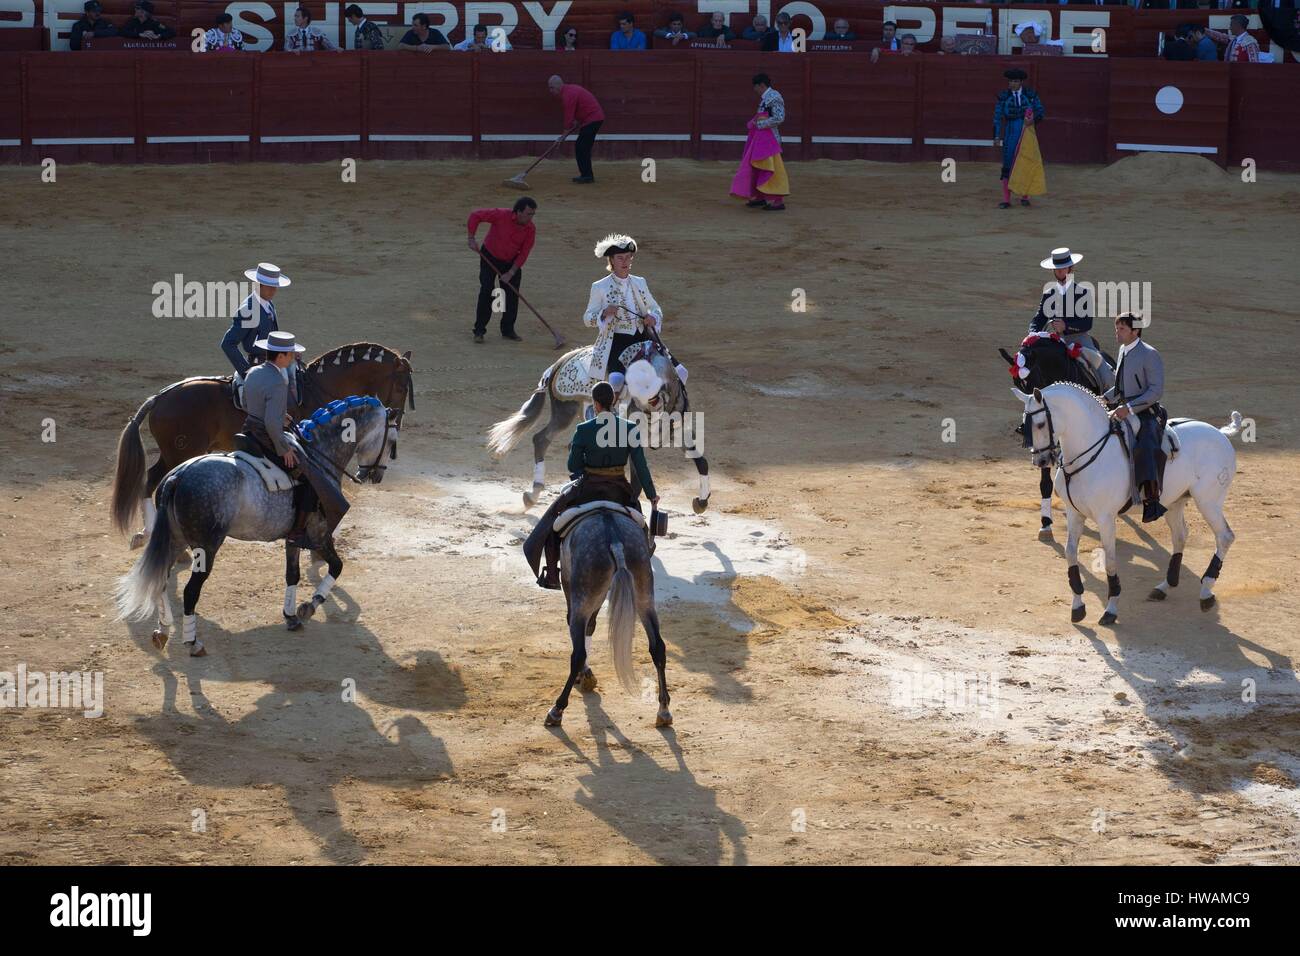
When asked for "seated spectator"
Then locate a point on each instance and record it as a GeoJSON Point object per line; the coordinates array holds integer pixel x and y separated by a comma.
{"type": "Point", "coordinates": [92, 21]}
{"type": "Point", "coordinates": [366, 35]}
{"type": "Point", "coordinates": [889, 42]}
{"type": "Point", "coordinates": [223, 36]}
{"type": "Point", "coordinates": [759, 30]}
{"type": "Point", "coordinates": [1242, 47]}
{"type": "Point", "coordinates": [305, 38]}
{"type": "Point", "coordinates": [143, 26]}
{"type": "Point", "coordinates": [1028, 33]}
{"type": "Point", "coordinates": [1177, 47]}
{"type": "Point", "coordinates": [947, 44]}
{"type": "Point", "coordinates": [421, 38]}
{"type": "Point", "coordinates": [841, 32]}
{"type": "Point", "coordinates": [478, 41]}
{"type": "Point", "coordinates": [570, 41]}
{"type": "Point", "coordinates": [1171, 5]}
{"type": "Point", "coordinates": [675, 31]}
{"type": "Point", "coordinates": [626, 37]}
{"type": "Point", "coordinates": [780, 40]}
{"type": "Point", "coordinates": [1203, 45]}
{"type": "Point", "coordinates": [717, 30]}
{"type": "Point", "coordinates": [907, 44]}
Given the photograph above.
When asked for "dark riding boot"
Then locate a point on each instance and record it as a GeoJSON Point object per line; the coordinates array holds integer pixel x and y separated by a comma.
{"type": "Point", "coordinates": [550, 576]}
{"type": "Point", "coordinates": [304, 505]}
{"type": "Point", "coordinates": [1152, 509]}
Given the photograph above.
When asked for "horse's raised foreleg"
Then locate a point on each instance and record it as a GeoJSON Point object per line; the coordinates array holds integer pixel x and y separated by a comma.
{"type": "Point", "coordinates": [292, 574]}
{"type": "Point", "coordinates": [562, 417]}
{"type": "Point", "coordinates": [334, 568]}
{"type": "Point", "coordinates": [1178, 529]}
{"type": "Point", "coordinates": [699, 504]}
{"type": "Point", "coordinates": [202, 557]}
{"type": "Point", "coordinates": [577, 661]}
{"type": "Point", "coordinates": [1074, 529]}
{"type": "Point", "coordinates": [1106, 526]}
{"type": "Point", "coordinates": [659, 654]}
{"type": "Point", "coordinates": [1223, 538]}
{"type": "Point", "coordinates": [1045, 506]}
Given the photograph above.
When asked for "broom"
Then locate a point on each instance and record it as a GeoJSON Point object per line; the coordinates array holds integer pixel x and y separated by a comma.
{"type": "Point", "coordinates": [520, 182]}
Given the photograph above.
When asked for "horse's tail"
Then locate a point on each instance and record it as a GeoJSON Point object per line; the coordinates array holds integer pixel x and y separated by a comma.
{"type": "Point", "coordinates": [128, 480]}
{"type": "Point", "coordinates": [506, 434]}
{"type": "Point", "coordinates": [1233, 428]}
{"type": "Point", "coordinates": [138, 590]}
{"type": "Point", "coordinates": [622, 610]}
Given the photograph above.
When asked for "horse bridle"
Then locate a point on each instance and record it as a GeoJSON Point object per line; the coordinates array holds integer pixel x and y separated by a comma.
{"type": "Point", "coordinates": [390, 422]}
{"type": "Point", "coordinates": [1055, 455]}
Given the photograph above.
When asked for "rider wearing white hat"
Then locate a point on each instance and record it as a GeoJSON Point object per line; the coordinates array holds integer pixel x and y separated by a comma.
{"type": "Point", "coordinates": [1066, 307]}
{"type": "Point", "coordinates": [255, 319]}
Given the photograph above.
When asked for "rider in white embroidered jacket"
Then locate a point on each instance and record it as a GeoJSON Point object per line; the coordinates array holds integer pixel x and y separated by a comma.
{"type": "Point", "coordinates": [623, 310]}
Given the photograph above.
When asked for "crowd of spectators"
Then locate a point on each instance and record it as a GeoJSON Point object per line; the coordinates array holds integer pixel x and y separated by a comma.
{"type": "Point", "coordinates": [1189, 42]}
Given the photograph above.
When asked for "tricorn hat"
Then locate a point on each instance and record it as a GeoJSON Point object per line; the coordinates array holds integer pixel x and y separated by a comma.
{"type": "Point", "coordinates": [1015, 73]}
{"type": "Point", "coordinates": [279, 342]}
{"type": "Point", "coordinates": [615, 243]}
{"type": "Point", "coordinates": [1062, 258]}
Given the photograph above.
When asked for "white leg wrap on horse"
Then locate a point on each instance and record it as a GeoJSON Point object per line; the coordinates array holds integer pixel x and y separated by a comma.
{"type": "Point", "coordinates": [539, 473]}
{"type": "Point", "coordinates": [1077, 602]}
{"type": "Point", "coordinates": [704, 486]}
{"type": "Point", "coordinates": [164, 610]}
{"type": "Point", "coordinates": [290, 599]}
{"type": "Point", "coordinates": [323, 589]}
{"type": "Point", "coordinates": [1163, 586]}
{"type": "Point", "coordinates": [1207, 587]}
{"type": "Point", "coordinates": [191, 628]}
{"type": "Point", "coordinates": [150, 514]}
{"type": "Point", "coordinates": [1045, 509]}
{"type": "Point", "coordinates": [681, 373]}
{"type": "Point", "coordinates": [1112, 606]}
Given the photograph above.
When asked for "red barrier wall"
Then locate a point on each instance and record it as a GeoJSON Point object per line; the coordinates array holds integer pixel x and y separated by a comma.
{"type": "Point", "coordinates": [180, 107]}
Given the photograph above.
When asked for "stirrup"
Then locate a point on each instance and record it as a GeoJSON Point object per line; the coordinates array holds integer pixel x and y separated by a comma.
{"type": "Point", "coordinates": [544, 582]}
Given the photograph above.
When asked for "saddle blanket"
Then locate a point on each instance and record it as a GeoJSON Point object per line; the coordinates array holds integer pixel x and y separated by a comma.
{"type": "Point", "coordinates": [569, 519]}
{"type": "Point", "coordinates": [274, 477]}
{"type": "Point", "coordinates": [1169, 445]}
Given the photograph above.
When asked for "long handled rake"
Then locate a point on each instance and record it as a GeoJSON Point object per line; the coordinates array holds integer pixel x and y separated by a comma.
{"type": "Point", "coordinates": [559, 339]}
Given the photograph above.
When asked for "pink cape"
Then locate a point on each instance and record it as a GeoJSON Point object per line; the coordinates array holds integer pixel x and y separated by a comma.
{"type": "Point", "coordinates": [759, 145]}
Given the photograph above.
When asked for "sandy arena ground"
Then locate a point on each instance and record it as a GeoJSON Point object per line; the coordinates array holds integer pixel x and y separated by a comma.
{"type": "Point", "coordinates": [848, 549]}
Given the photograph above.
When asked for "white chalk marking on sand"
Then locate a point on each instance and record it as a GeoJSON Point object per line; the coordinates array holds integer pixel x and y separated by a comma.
{"type": "Point", "coordinates": [477, 517]}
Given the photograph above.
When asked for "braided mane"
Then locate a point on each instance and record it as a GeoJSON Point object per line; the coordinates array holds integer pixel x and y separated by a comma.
{"type": "Point", "coordinates": [355, 351]}
{"type": "Point", "coordinates": [1087, 391]}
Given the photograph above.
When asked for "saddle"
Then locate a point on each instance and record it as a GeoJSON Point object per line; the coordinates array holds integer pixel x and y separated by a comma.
{"type": "Point", "coordinates": [570, 518]}
{"type": "Point", "coordinates": [1166, 450]}
{"type": "Point", "coordinates": [273, 476]}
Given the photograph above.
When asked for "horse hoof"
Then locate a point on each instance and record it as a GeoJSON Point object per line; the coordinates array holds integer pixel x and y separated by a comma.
{"type": "Point", "coordinates": [1207, 603]}
{"type": "Point", "coordinates": [159, 639]}
{"type": "Point", "coordinates": [292, 623]}
{"type": "Point", "coordinates": [1046, 525]}
{"type": "Point", "coordinates": [1045, 531]}
{"type": "Point", "coordinates": [588, 683]}
{"type": "Point", "coordinates": [1076, 614]}
{"type": "Point", "coordinates": [554, 717]}
{"type": "Point", "coordinates": [305, 610]}
{"type": "Point", "coordinates": [663, 718]}
{"type": "Point", "coordinates": [1108, 618]}
{"type": "Point", "coordinates": [1156, 595]}
{"type": "Point", "coordinates": [198, 650]}
{"type": "Point", "coordinates": [137, 540]}
{"type": "Point", "coordinates": [699, 505]}
{"type": "Point", "coordinates": [529, 500]}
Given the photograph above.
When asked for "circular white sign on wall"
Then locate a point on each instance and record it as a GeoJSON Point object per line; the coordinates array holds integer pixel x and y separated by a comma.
{"type": "Point", "coordinates": [1169, 99]}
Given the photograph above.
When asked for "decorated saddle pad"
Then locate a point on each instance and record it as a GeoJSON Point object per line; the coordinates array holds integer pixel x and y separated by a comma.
{"type": "Point", "coordinates": [273, 476]}
{"type": "Point", "coordinates": [571, 380]}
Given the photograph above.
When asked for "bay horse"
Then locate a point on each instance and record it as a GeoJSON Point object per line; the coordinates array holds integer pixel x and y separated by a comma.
{"type": "Point", "coordinates": [196, 416]}
{"type": "Point", "coordinates": [208, 499]}
{"type": "Point", "coordinates": [1070, 428]}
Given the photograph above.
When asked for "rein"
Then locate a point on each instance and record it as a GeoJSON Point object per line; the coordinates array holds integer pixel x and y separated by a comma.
{"type": "Point", "coordinates": [1054, 447]}
{"type": "Point", "coordinates": [363, 471]}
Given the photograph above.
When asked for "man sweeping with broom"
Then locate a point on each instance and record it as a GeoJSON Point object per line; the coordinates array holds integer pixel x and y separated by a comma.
{"type": "Point", "coordinates": [582, 113]}
{"type": "Point", "coordinates": [510, 238]}
{"type": "Point", "coordinates": [1017, 112]}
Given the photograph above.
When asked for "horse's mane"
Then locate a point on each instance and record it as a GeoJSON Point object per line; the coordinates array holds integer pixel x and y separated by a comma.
{"type": "Point", "coordinates": [356, 352]}
{"type": "Point", "coordinates": [1087, 391]}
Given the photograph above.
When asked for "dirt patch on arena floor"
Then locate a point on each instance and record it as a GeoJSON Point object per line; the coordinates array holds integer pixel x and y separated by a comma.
{"type": "Point", "coordinates": [869, 649]}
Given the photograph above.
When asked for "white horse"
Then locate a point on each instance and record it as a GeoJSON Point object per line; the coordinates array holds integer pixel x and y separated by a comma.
{"type": "Point", "coordinates": [1071, 429]}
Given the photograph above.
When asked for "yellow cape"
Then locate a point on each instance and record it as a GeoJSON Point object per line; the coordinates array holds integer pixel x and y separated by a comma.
{"type": "Point", "coordinates": [1028, 177]}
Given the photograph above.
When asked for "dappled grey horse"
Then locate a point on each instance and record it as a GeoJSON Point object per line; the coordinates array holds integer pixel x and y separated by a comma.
{"type": "Point", "coordinates": [606, 553]}
{"type": "Point", "coordinates": [206, 500]}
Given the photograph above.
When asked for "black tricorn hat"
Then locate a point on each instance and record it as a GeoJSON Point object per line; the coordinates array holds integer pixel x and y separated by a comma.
{"type": "Point", "coordinates": [1015, 73]}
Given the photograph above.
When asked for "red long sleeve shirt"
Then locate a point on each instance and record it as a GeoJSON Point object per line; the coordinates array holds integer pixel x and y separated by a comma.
{"type": "Point", "coordinates": [579, 106]}
{"type": "Point", "coordinates": [506, 239]}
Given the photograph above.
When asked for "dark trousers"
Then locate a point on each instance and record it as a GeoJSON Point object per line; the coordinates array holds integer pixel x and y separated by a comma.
{"type": "Point", "coordinates": [486, 283]}
{"type": "Point", "coordinates": [543, 541]}
{"type": "Point", "coordinates": [1148, 443]}
{"type": "Point", "coordinates": [582, 148]}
